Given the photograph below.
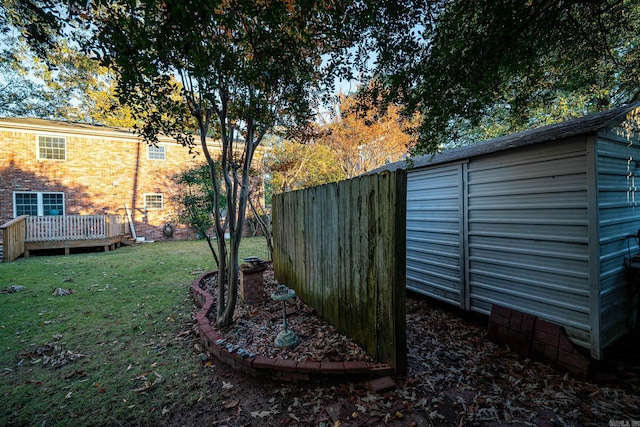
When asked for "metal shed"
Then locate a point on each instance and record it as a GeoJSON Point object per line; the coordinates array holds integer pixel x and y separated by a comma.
{"type": "Point", "coordinates": [537, 221]}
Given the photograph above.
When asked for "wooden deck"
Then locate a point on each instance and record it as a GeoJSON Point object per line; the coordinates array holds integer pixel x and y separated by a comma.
{"type": "Point", "coordinates": [26, 234]}
{"type": "Point", "coordinates": [106, 243]}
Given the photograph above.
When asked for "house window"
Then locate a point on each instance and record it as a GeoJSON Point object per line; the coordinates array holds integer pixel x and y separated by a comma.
{"type": "Point", "coordinates": [38, 203]}
{"type": "Point", "coordinates": [153, 202]}
{"type": "Point", "coordinates": [156, 152]}
{"type": "Point", "coordinates": [51, 148]}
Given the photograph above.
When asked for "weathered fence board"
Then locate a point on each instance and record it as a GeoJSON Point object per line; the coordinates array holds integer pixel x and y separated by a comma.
{"type": "Point", "coordinates": [342, 248]}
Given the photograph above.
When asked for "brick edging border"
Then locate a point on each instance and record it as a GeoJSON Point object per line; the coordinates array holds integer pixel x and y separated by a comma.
{"type": "Point", "coordinates": [276, 368]}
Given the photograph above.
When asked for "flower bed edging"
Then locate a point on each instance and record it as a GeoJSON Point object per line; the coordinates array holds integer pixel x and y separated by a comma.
{"type": "Point", "coordinates": [277, 368]}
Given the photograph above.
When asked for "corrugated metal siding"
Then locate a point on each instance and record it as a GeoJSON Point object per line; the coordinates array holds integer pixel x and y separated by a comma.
{"type": "Point", "coordinates": [434, 261]}
{"type": "Point", "coordinates": [514, 228]}
{"type": "Point", "coordinates": [618, 215]}
{"type": "Point", "coordinates": [528, 233]}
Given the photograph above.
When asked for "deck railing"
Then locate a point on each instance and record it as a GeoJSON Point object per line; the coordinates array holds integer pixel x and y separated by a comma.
{"type": "Point", "coordinates": [13, 238]}
{"type": "Point", "coordinates": [73, 227]}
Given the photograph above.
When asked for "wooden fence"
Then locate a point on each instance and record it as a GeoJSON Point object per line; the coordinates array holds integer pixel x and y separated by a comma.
{"type": "Point", "coordinates": [342, 247]}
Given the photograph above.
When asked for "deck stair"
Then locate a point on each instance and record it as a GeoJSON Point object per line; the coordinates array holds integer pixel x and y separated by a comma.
{"type": "Point", "coordinates": [127, 240]}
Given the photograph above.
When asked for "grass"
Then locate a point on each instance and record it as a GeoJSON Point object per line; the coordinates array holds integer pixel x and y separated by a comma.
{"type": "Point", "coordinates": [129, 316]}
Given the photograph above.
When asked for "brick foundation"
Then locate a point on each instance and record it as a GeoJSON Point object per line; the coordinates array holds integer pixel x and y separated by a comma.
{"type": "Point", "coordinates": [539, 339]}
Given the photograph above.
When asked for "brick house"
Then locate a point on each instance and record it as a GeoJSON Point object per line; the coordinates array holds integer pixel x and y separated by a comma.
{"type": "Point", "coordinates": [60, 168]}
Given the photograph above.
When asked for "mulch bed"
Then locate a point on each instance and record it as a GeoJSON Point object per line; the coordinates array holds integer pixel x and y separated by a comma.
{"type": "Point", "coordinates": [256, 326]}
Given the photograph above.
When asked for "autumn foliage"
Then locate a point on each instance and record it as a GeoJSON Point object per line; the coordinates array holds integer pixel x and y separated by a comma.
{"type": "Point", "coordinates": [348, 142]}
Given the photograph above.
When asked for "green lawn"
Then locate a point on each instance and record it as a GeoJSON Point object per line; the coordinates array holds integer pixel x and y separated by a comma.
{"type": "Point", "coordinates": [129, 316]}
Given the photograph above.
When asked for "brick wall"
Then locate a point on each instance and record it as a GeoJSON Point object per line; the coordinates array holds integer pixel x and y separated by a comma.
{"type": "Point", "coordinates": [100, 175]}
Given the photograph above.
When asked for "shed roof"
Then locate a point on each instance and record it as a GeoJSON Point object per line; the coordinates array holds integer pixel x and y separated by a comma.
{"type": "Point", "coordinates": [591, 123]}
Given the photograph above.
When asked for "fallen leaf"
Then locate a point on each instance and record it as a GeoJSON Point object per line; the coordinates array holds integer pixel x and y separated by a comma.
{"type": "Point", "coordinates": [149, 385]}
{"type": "Point", "coordinates": [434, 414]}
{"type": "Point", "coordinates": [231, 404]}
{"type": "Point", "coordinates": [262, 414]}
{"type": "Point", "coordinates": [226, 385]}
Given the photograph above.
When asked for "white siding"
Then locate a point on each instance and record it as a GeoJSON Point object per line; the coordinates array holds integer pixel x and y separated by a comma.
{"type": "Point", "coordinates": [510, 228]}
{"type": "Point", "coordinates": [528, 233]}
{"type": "Point", "coordinates": [618, 216]}
{"type": "Point", "coordinates": [434, 232]}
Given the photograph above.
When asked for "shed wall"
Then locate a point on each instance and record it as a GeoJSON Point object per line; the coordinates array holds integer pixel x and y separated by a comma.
{"type": "Point", "coordinates": [618, 216]}
{"type": "Point", "coordinates": [434, 232]}
{"type": "Point", "coordinates": [528, 233]}
{"type": "Point", "coordinates": [510, 228]}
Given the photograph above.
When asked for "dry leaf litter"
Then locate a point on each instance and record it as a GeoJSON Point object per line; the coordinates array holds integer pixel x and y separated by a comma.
{"type": "Point", "coordinates": [455, 376]}
{"type": "Point", "coordinates": [52, 354]}
{"type": "Point", "coordinates": [256, 326]}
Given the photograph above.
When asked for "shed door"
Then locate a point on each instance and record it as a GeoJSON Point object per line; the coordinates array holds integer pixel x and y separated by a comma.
{"type": "Point", "coordinates": [434, 233]}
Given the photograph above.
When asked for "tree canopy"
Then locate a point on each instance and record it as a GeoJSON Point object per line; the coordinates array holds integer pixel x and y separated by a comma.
{"type": "Point", "coordinates": [237, 67]}
{"type": "Point", "coordinates": [484, 67]}
{"type": "Point", "coordinates": [472, 68]}
{"type": "Point", "coordinates": [293, 165]}
{"type": "Point", "coordinates": [64, 84]}
{"type": "Point", "coordinates": [364, 138]}
{"type": "Point", "coordinates": [346, 142]}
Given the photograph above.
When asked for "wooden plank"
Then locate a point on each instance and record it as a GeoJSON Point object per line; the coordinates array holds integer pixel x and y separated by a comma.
{"type": "Point", "coordinates": [398, 270]}
{"type": "Point", "coordinates": [345, 233]}
{"type": "Point", "coordinates": [370, 268]}
{"type": "Point", "coordinates": [59, 244]}
{"type": "Point", "coordinates": [331, 297]}
{"type": "Point", "coordinates": [392, 301]}
{"type": "Point", "coordinates": [313, 246]}
{"type": "Point", "coordinates": [385, 303]}
{"type": "Point", "coordinates": [359, 220]}
{"type": "Point", "coordinates": [299, 265]}
{"type": "Point", "coordinates": [352, 217]}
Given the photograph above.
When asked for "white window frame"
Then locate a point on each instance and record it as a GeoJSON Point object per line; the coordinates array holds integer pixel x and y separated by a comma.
{"type": "Point", "coordinates": [38, 141]}
{"type": "Point", "coordinates": [157, 151]}
{"type": "Point", "coordinates": [40, 201]}
{"type": "Point", "coordinates": [146, 206]}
